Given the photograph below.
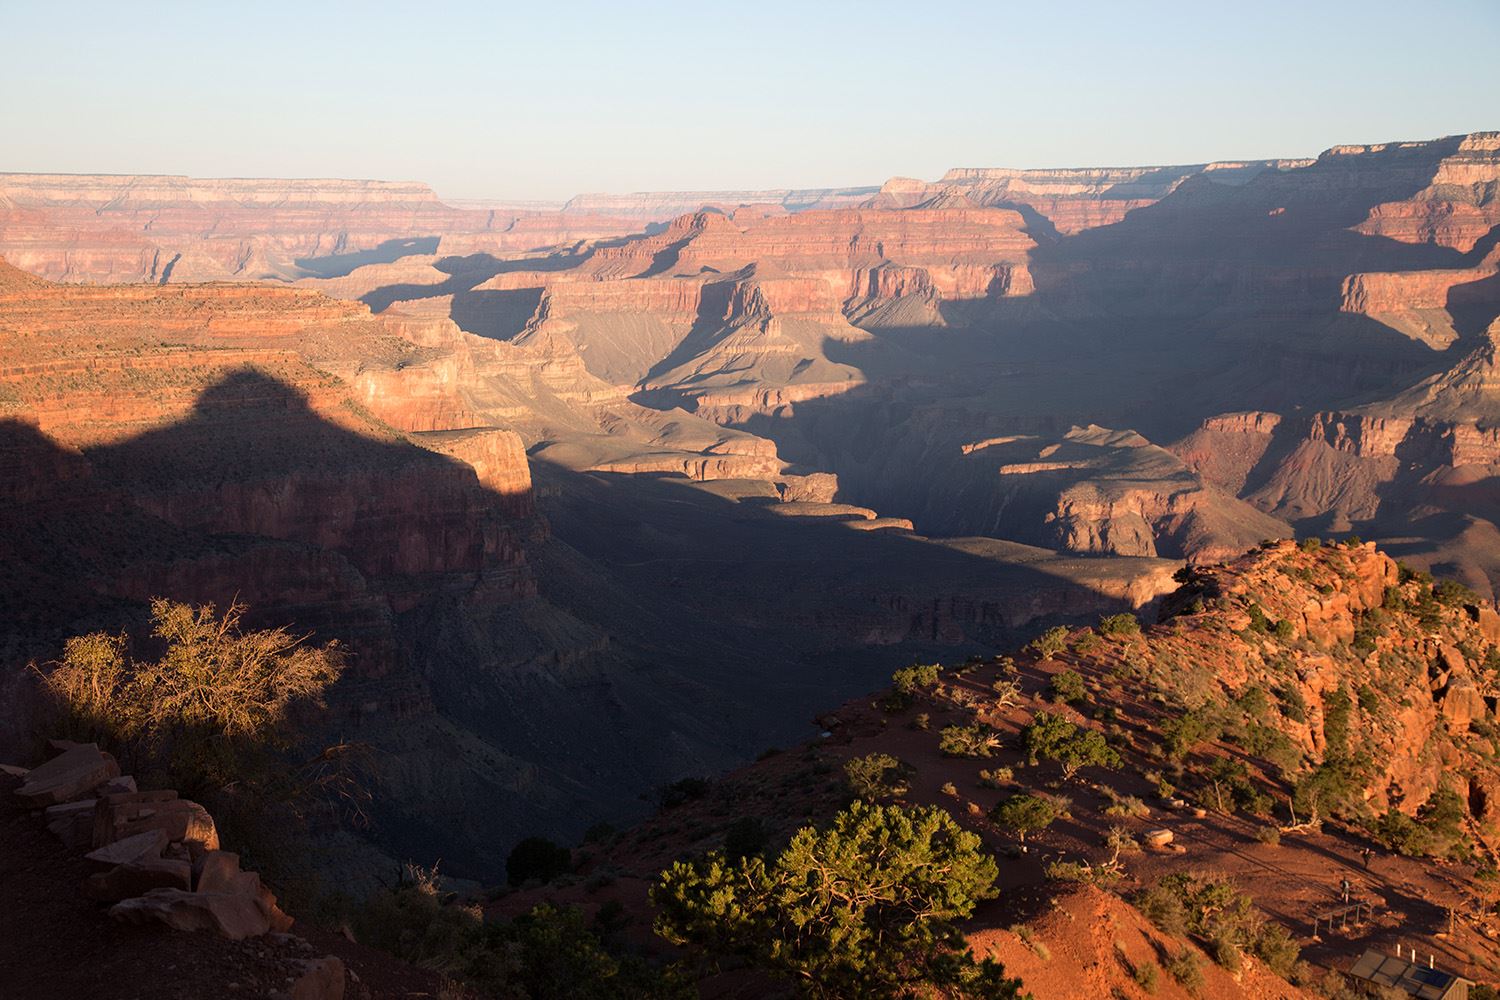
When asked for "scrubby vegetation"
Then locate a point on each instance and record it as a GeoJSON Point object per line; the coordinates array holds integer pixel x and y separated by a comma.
{"type": "Point", "coordinates": [863, 908]}
{"type": "Point", "coordinates": [212, 709]}
{"type": "Point", "coordinates": [537, 859]}
{"type": "Point", "coordinates": [1215, 913]}
{"type": "Point", "coordinates": [548, 954]}
{"type": "Point", "coordinates": [876, 776]}
{"type": "Point", "coordinates": [1025, 814]}
{"type": "Point", "coordinates": [977, 740]}
{"type": "Point", "coordinates": [1051, 737]}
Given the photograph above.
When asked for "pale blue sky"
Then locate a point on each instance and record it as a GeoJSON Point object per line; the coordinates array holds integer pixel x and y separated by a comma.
{"type": "Point", "coordinates": [544, 100]}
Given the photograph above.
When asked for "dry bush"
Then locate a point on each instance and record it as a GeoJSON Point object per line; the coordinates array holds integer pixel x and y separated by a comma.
{"type": "Point", "coordinates": [215, 699]}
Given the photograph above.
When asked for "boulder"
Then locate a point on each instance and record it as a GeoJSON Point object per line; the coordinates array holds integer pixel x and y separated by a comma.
{"type": "Point", "coordinates": [321, 979]}
{"type": "Point", "coordinates": [136, 878]}
{"type": "Point", "coordinates": [70, 775]}
{"type": "Point", "coordinates": [72, 823]}
{"type": "Point", "coordinates": [218, 872]}
{"type": "Point", "coordinates": [1462, 703]}
{"type": "Point", "coordinates": [127, 814]}
{"type": "Point", "coordinates": [14, 770]}
{"type": "Point", "coordinates": [145, 846]}
{"type": "Point", "coordinates": [1489, 623]}
{"type": "Point", "coordinates": [228, 914]}
{"type": "Point", "coordinates": [1157, 838]}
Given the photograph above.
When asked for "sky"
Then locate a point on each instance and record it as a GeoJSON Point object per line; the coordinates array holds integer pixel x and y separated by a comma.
{"type": "Point", "coordinates": [545, 100]}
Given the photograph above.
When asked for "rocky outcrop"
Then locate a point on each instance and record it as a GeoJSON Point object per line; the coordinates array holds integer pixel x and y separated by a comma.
{"type": "Point", "coordinates": [1457, 208]}
{"type": "Point", "coordinates": [159, 855]}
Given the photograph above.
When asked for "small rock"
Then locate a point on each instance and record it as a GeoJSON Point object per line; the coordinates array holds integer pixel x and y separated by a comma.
{"type": "Point", "coordinates": [116, 786]}
{"type": "Point", "coordinates": [14, 770]}
{"type": "Point", "coordinates": [1157, 838]}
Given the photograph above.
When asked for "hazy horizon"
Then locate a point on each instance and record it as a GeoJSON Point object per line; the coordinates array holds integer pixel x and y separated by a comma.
{"type": "Point", "coordinates": [535, 105]}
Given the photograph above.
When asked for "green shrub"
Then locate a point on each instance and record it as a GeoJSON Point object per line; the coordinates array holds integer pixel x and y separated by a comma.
{"type": "Point", "coordinates": [1274, 946]}
{"type": "Point", "coordinates": [546, 954]}
{"type": "Point", "coordinates": [1333, 788]}
{"type": "Point", "coordinates": [1337, 707]}
{"type": "Point", "coordinates": [683, 791]}
{"type": "Point", "coordinates": [866, 907]}
{"type": "Point", "coordinates": [1184, 734]}
{"type": "Point", "coordinates": [1216, 913]}
{"type": "Point", "coordinates": [1126, 807]}
{"type": "Point", "coordinates": [1146, 976]}
{"type": "Point", "coordinates": [910, 680]}
{"type": "Point", "coordinates": [1293, 705]}
{"type": "Point", "coordinates": [1436, 830]}
{"type": "Point", "coordinates": [1187, 968]}
{"type": "Point", "coordinates": [997, 777]}
{"type": "Point", "coordinates": [977, 740]}
{"type": "Point", "coordinates": [1067, 686]}
{"type": "Point", "coordinates": [1051, 642]}
{"type": "Point", "coordinates": [1452, 594]}
{"type": "Point", "coordinates": [1051, 737]}
{"type": "Point", "coordinates": [1025, 814]}
{"type": "Point", "coordinates": [537, 858]}
{"type": "Point", "coordinates": [1119, 626]}
{"type": "Point", "coordinates": [1081, 872]}
{"type": "Point", "coordinates": [746, 837]}
{"type": "Point", "coordinates": [1088, 641]}
{"type": "Point", "coordinates": [876, 775]}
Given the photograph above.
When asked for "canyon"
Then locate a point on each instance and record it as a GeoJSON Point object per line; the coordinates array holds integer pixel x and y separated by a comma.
{"type": "Point", "coordinates": [608, 492]}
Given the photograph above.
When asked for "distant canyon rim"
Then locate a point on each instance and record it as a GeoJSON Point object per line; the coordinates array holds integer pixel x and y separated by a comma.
{"type": "Point", "coordinates": [608, 493]}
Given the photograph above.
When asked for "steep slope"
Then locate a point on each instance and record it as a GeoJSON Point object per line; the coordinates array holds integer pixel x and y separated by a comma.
{"type": "Point", "coordinates": [1290, 685]}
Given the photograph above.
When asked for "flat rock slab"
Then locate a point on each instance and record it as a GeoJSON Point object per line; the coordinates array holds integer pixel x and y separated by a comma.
{"type": "Point", "coordinates": [14, 770]}
{"type": "Point", "coordinates": [116, 786]}
{"type": "Point", "coordinates": [136, 878]}
{"type": "Point", "coordinates": [233, 916]}
{"type": "Point", "coordinates": [144, 846]}
{"type": "Point", "coordinates": [72, 774]}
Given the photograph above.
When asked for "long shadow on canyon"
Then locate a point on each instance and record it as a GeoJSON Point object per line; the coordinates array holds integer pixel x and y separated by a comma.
{"type": "Point", "coordinates": [1219, 298]}
{"type": "Point", "coordinates": [464, 274]}
{"type": "Point", "coordinates": [659, 630]}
